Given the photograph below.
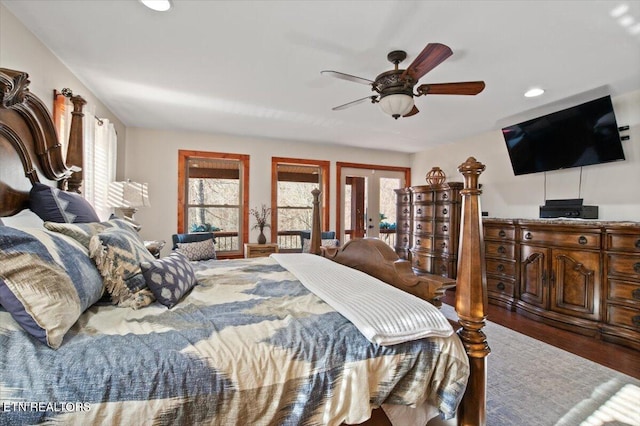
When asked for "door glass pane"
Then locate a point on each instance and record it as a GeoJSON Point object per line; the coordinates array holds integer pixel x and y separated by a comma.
{"type": "Point", "coordinates": [388, 209]}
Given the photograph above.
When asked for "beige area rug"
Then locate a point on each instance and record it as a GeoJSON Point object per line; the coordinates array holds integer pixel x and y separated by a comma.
{"type": "Point", "coordinates": [533, 383]}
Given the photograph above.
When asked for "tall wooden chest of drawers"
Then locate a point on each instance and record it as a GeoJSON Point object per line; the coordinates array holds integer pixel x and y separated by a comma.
{"type": "Point", "coordinates": [435, 219]}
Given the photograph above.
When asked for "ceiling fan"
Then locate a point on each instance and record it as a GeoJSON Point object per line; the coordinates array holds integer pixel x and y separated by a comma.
{"type": "Point", "coordinates": [395, 88]}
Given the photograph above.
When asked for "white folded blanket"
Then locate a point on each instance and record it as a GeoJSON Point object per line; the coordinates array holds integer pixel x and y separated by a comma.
{"type": "Point", "coordinates": [384, 314]}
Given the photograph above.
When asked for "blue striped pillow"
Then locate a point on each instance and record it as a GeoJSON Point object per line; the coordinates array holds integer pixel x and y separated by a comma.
{"type": "Point", "coordinates": [46, 281]}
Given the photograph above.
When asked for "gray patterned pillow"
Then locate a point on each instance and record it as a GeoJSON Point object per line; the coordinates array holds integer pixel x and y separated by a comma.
{"type": "Point", "coordinates": [117, 254]}
{"type": "Point", "coordinates": [200, 250]}
{"type": "Point", "coordinates": [82, 232]}
{"type": "Point", "coordinates": [169, 278]}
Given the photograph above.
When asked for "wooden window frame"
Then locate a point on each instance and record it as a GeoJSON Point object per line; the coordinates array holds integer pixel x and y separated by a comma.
{"type": "Point", "coordinates": [324, 165]}
{"type": "Point", "coordinates": [341, 165]}
{"type": "Point", "coordinates": [183, 157]}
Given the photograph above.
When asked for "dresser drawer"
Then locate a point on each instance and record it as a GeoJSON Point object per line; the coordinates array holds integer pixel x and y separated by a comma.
{"type": "Point", "coordinates": [444, 211]}
{"type": "Point", "coordinates": [621, 265]}
{"type": "Point", "coordinates": [404, 211]}
{"type": "Point", "coordinates": [495, 233]}
{"type": "Point", "coordinates": [421, 211]}
{"type": "Point", "coordinates": [423, 242]}
{"type": "Point", "coordinates": [421, 261]}
{"type": "Point", "coordinates": [446, 195]}
{"type": "Point", "coordinates": [585, 240]}
{"type": "Point", "coordinates": [443, 245]}
{"type": "Point", "coordinates": [442, 228]}
{"type": "Point", "coordinates": [497, 285]}
{"type": "Point", "coordinates": [426, 196]}
{"type": "Point", "coordinates": [423, 227]}
{"type": "Point", "coordinates": [496, 249]}
{"type": "Point", "coordinates": [623, 316]}
{"type": "Point", "coordinates": [501, 267]}
{"type": "Point", "coordinates": [622, 242]}
{"type": "Point", "coordinates": [624, 291]}
{"type": "Point", "coordinates": [403, 241]}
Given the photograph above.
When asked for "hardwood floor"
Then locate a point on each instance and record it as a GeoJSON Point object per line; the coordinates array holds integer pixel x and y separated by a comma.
{"type": "Point", "coordinates": [616, 357]}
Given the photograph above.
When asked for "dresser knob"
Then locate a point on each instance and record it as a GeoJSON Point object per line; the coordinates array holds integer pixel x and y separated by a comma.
{"type": "Point", "coordinates": [638, 244]}
{"type": "Point", "coordinates": [445, 211]}
{"type": "Point", "coordinates": [502, 250]}
{"type": "Point", "coordinates": [405, 239]}
{"type": "Point", "coordinates": [419, 226]}
{"type": "Point", "coordinates": [406, 225]}
{"type": "Point", "coordinates": [636, 293]}
{"type": "Point", "coordinates": [500, 268]}
{"type": "Point", "coordinates": [445, 196]}
{"type": "Point", "coordinates": [443, 245]}
{"type": "Point", "coordinates": [636, 320]}
{"type": "Point", "coordinates": [419, 211]}
{"type": "Point", "coordinates": [582, 240]}
{"type": "Point", "coordinates": [528, 236]}
{"type": "Point", "coordinates": [636, 267]}
{"type": "Point", "coordinates": [444, 228]}
{"type": "Point", "coordinates": [501, 286]}
{"type": "Point", "coordinates": [417, 242]}
{"type": "Point", "coordinates": [502, 234]}
{"type": "Point", "coordinates": [405, 211]}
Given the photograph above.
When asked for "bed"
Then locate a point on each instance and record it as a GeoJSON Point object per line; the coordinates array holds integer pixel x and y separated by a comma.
{"type": "Point", "coordinates": [250, 342]}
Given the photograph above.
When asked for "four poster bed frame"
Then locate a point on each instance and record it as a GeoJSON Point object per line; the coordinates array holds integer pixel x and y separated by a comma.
{"type": "Point", "coordinates": [30, 152]}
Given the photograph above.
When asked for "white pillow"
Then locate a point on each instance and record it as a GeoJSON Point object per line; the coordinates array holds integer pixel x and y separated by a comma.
{"type": "Point", "coordinates": [25, 219]}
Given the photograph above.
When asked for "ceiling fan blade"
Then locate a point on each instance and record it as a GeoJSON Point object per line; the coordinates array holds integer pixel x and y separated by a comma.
{"type": "Point", "coordinates": [430, 57]}
{"type": "Point", "coordinates": [352, 103]}
{"type": "Point", "coordinates": [461, 88]}
{"type": "Point", "coordinates": [413, 111]}
{"type": "Point", "coordinates": [347, 77]}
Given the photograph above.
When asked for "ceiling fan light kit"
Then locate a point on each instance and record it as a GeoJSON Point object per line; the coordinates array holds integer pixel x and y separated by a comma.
{"type": "Point", "coordinates": [395, 88]}
{"type": "Point", "coordinates": [396, 105]}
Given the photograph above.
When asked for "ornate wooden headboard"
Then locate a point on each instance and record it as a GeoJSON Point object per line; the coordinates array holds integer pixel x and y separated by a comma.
{"type": "Point", "coordinates": [29, 148]}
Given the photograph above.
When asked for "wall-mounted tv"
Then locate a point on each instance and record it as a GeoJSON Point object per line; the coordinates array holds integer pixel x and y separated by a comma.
{"type": "Point", "coordinates": [578, 136]}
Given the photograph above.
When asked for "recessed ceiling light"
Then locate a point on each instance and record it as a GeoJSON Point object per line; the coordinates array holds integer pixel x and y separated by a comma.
{"type": "Point", "coordinates": [626, 20]}
{"type": "Point", "coordinates": [158, 5]}
{"type": "Point", "coordinates": [619, 10]}
{"type": "Point", "coordinates": [532, 93]}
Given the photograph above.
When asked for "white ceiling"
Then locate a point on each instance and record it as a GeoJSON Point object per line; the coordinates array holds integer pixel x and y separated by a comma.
{"type": "Point", "coordinates": [253, 67]}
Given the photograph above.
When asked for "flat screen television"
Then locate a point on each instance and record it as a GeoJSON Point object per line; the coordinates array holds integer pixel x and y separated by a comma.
{"type": "Point", "coordinates": [578, 136]}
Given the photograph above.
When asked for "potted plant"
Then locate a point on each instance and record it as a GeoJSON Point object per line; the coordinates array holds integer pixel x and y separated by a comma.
{"type": "Point", "coordinates": [262, 216]}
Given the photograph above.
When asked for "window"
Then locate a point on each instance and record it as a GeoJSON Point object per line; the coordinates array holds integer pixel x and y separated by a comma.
{"type": "Point", "coordinates": [213, 193]}
{"type": "Point", "coordinates": [99, 146]}
{"type": "Point", "coordinates": [293, 180]}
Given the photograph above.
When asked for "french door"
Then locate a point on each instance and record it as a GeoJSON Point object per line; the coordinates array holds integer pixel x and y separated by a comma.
{"type": "Point", "coordinates": [367, 201]}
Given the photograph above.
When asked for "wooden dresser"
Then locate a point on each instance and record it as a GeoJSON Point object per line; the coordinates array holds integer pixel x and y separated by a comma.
{"type": "Point", "coordinates": [435, 224]}
{"type": "Point", "coordinates": [582, 276]}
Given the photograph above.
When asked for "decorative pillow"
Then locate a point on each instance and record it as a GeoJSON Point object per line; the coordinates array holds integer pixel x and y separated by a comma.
{"type": "Point", "coordinates": [54, 205]}
{"type": "Point", "coordinates": [46, 281]}
{"type": "Point", "coordinates": [169, 278]}
{"type": "Point", "coordinates": [82, 232]}
{"type": "Point", "coordinates": [200, 250]}
{"type": "Point", "coordinates": [117, 254]}
{"type": "Point", "coordinates": [306, 244]}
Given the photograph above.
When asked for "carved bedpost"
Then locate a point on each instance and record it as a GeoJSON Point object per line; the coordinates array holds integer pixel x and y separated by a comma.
{"type": "Point", "coordinates": [316, 232]}
{"type": "Point", "coordinates": [471, 296]}
{"type": "Point", "coordinates": [75, 148]}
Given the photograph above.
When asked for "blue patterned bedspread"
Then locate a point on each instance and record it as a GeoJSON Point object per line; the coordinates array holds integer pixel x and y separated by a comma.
{"type": "Point", "coordinates": [248, 346]}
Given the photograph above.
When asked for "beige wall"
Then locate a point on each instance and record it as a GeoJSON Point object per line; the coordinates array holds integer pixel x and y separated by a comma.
{"type": "Point", "coordinates": [614, 187]}
{"type": "Point", "coordinates": [22, 51]}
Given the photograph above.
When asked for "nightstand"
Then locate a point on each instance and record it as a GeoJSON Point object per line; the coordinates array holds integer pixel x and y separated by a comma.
{"type": "Point", "coordinates": [154, 247]}
{"type": "Point", "coordinates": [260, 250]}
